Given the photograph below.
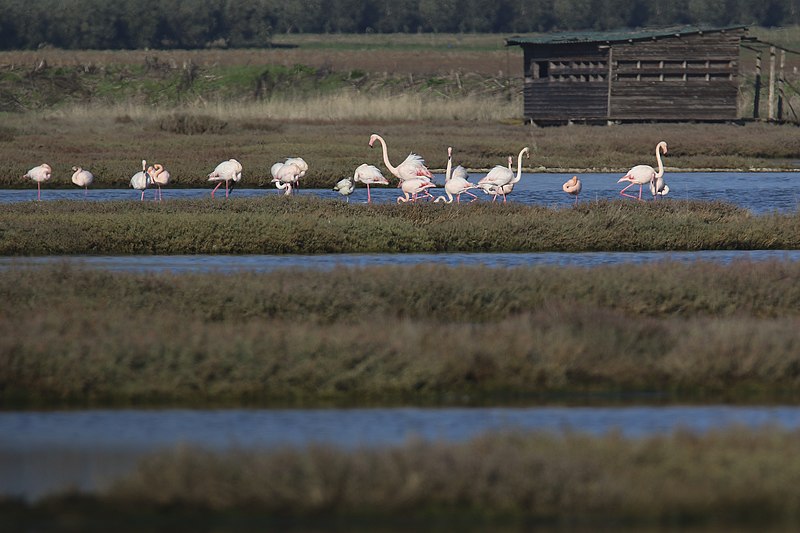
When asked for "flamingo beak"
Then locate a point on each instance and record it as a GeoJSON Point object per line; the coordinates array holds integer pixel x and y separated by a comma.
{"type": "Point", "coordinates": [623, 178]}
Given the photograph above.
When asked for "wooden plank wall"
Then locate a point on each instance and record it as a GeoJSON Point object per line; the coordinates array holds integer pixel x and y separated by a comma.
{"type": "Point", "coordinates": [692, 77]}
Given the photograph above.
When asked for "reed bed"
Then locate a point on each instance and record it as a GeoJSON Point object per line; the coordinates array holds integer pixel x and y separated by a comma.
{"type": "Point", "coordinates": [731, 479]}
{"type": "Point", "coordinates": [275, 225]}
{"type": "Point", "coordinates": [423, 334]}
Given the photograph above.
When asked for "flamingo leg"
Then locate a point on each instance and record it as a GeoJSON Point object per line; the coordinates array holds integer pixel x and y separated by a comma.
{"type": "Point", "coordinates": [215, 189]}
{"type": "Point", "coordinates": [141, 199]}
{"type": "Point", "coordinates": [226, 188]}
{"type": "Point", "coordinates": [369, 198]}
{"type": "Point", "coordinates": [474, 196]}
{"type": "Point", "coordinates": [38, 190]}
{"type": "Point", "coordinates": [631, 184]}
{"type": "Point", "coordinates": [85, 190]}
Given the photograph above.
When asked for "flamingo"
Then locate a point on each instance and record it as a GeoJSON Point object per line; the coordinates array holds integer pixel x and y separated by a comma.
{"type": "Point", "coordinates": [39, 174]}
{"type": "Point", "coordinates": [288, 174]}
{"type": "Point", "coordinates": [411, 188]}
{"type": "Point", "coordinates": [345, 187]}
{"type": "Point", "coordinates": [658, 188]}
{"type": "Point", "coordinates": [300, 169]}
{"type": "Point", "coordinates": [160, 176]}
{"type": "Point", "coordinates": [227, 171]}
{"type": "Point", "coordinates": [641, 174]}
{"type": "Point", "coordinates": [506, 189]}
{"type": "Point", "coordinates": [141, 180]}
{"type": "Point", "coordinates": [501, 180]}
{"type": "Point", "coordinates": [455, 182]}
{"type": "Point", "coordinates": [573, 186]}
{"type": "Point", "coordinates": [82, 178]}
{"type": "Point", "coordinates": [369, 175]}
{"type": "Point", "coordinates": [412, 168]}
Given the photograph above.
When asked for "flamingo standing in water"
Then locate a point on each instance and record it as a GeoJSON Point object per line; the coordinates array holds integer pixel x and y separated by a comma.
{"type": "Point", "coordinates": [160, 176]}
{"type": "Point", "coordinates": [369, 175]}
{"type": "Point", "coordinates": [141, 180]}
{"type": "Point", "coordinates": [412, 168]}
{"type": "Point", "coordinates": [455, 182]}
{"type": "Point", "coordinates": [658, 188]}
{"type": "Point", "coordinates": [412, 188]}
{"type": "Point", "coordinates": [230, 172]}
{"type": "Point", "coordinates": [345, 187]}
{"type": "Point", "coordinates": [641, 174]}
{"type": "Point", "coordinates": [286, 175]}
{"type": "Point", "coordinates": [39, 174]}
{"type": "Point", "coordinates": [573, 186]}
{"type": "Point", "coordinates": [82, 178]}
{"type": "Point", "coordinates": [501, 180]}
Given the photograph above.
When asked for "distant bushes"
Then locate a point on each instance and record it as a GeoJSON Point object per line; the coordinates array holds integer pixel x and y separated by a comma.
{"type": "Point", "coordinates": [137, 24]}
{"type": "Point", "coordinates": [191, 124]}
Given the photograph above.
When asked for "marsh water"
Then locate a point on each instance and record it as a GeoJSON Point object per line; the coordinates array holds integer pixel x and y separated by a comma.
{"type": "Point", "coordinates": [46, 451]}
{"type": "Point", "coordinates": [759, 192]}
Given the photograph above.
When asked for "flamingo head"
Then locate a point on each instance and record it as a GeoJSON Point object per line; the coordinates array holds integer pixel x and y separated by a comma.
{"type": "Point", "coordinates": [372, 139]}
{"type": "Point", "coordinates": [663, 147]}
{"type": "Point", "coordinates": [449, 152]}
{"type": "Point", "coordinates": [527, 152]}
{"type": "Point", "coordinates": [76, 169]}
{"type": "Point", "coordinates": [510, 161]}
{"type": "Point", "coordinates": [144, 165]}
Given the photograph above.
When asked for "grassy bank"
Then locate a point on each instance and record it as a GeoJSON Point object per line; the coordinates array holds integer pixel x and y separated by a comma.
{"type": "Point", "coordinates": [410, 334]}
{"type": "Point", "coordinates": [275, 225]}
{"type": "Point", "coordinates": [724, 479]}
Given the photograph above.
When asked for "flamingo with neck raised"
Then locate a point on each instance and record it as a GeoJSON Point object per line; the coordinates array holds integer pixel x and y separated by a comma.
{"type": "Point", "coordinates": [455, 182]}
{"type": "Point", "coordinates": [501, 180]}
{"type": "Point", "coordinates": [141, 180]}
{"type": "Point", "coordinates": [412, 168]}
{"type": "Point", "coordinates": [641, 174]}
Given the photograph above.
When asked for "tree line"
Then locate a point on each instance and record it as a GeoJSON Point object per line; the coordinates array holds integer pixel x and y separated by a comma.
{"type": "Point", "coordinates": [136, 24]}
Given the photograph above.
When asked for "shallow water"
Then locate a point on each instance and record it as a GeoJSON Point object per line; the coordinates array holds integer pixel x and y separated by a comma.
{"type": "Point", "coordinates": [758, 191]}
{"type": "Point", "coordinates": [41, 452]}
{"type": "Point", "coordinates": [267, 263]}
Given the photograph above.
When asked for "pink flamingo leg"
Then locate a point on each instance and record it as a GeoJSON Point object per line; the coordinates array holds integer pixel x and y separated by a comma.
{"type": "Point", "coordinates": [85, 190]}
{"type": "Point", "coordinates": [474, 197]}
{"type": "Point", "coordinates": [369, 198]}
{"type": "Point", "coordinates": [622, 192]}
{"type": "Point", "coordinates": [142, 197]}
{"type": "Point", "coordinates": [215, 189]}
{"type": "Point", "coordinates": [226, 188]}
{"type": "Point", "coordinates": [38, 190]}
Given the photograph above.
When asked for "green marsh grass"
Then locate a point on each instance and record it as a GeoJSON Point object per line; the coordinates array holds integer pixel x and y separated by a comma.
{"type": "Point", "coordinates": [378, 335]}
{"type": "Point", "coordinates": [275, 225]}
{"type": "Point", "coordinates": [733, 479]}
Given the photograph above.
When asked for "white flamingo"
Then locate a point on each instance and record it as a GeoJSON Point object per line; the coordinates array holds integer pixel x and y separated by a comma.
{"type": "Point", "coordinates": [230, 172]}
{"type": "Point", "coordinates": [286, 176]}
{"type": "Point", "coordinates": [82, 178]}
{"type": "Point", "coordinates": [298, 170]}
{"type": "Point", "coordinates": [39, 174]}
{"type": "Point", "coordinates": [501, 180]}
{"type": "Point", "coordinates": [658, 188]}
{"type": "Point", "coordinates": [573, 186]}
{"type": "Point", "coordinates": [141, 180]}
{"type": "Point", "coordinates": [455, 182]}
{"type": "Point", "coordinates": [160, 176]}
{"type": "Point", "coordinates": [412, 168]}
{"type": "Point", "coordinates": [369, 175]}
{"type": "Point", "coordinates": [641, 174]}
{"type": "Point", "coordinates": [345, 187]}
{"type": "Point", "coordinates": [412, 188]}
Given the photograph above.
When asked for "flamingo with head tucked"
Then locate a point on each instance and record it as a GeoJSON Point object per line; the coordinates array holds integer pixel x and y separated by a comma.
{"type": "Point", "coordinates": [456, 182]}
{"type": "Point", "coordinates": [141, 180]}
{"type": "Point", "coordinates": [230, 172]}
{"type": "Point", "coordinates": [345, 187]}
{"type": "Point", "coordinates": [160, 176]}
{"type": "Point", "coordinates": [641, 174]}
{"type": "Point", "coordinates": [369, 175]}
{"type": "Point", "coordinates": [573, 186]}
{"type": "Point", "coordinates": [412, 168]}
{"type": "Point", "coordinates": [39, 174]}
{"type": "Point", "coordinates": [286, 176]}
{"type": "Point", "coordinates": [82, 178]}
{"type": "Point", "coordinates": [658, 188]}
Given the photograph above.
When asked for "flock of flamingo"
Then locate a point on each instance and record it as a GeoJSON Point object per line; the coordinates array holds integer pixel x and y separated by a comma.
{"type": "Point", "coordinates": [415, 180]}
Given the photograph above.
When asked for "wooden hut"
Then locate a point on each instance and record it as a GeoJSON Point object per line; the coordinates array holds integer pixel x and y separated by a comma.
{"type": "Point", "coordinates": [677, 74]}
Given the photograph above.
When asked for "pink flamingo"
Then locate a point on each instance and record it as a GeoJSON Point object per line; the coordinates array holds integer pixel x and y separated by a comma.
{"type": "Point", "coordinates": [160, 176]}
{"type": "Point", "coordinates": [501, 180]}
{"type": "Point", "coordinates": [641, 174]}
{"type": "Point", "coordinates": [455, 182]}
{"type": "Point", "coordinates": [141, 180]}
{"type": "Point", "coordinates": [39, 174]}
{"type": "Point", "coordinates": [227, 171]}
{"type": "Point", "coordinates": [412, 168]}
{"type": "Point", "coordinates": [413, 188]}
{"type": "Point", "coordinates": [82, 178]}
{"type": "Point", "coordinates": [287, 176]}
{"type": "Point", "coordinates": [573, 186]}
{"type": "Point", "coordinates": [369, 175]}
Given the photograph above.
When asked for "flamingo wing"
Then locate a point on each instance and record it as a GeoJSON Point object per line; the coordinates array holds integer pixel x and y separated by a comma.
{"type": "Point", "coordinates": [413, 166]}
{"type": "Point", "coordinates": [370, 174]}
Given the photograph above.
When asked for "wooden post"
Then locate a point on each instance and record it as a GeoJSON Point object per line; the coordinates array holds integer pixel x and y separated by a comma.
{"type": "Point", "coordinates": [780, 84]}
{"type": "Point", "coordinates": [610, 77]}
{"type": "Point", "coordinates": [771, 103]}
{"type": "Point", "coordinates": [757, 95]}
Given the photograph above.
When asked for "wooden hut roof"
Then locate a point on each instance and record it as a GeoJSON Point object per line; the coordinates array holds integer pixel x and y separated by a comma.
{"type": "Point", "coordinates": [617, 36]}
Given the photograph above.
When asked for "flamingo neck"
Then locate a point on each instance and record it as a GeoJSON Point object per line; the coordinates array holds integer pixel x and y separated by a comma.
{"type": "Point", "coordinates": [449, 172]}
{"type": "Point", "coordinates": [660, 163]}
{"type": "Point", "coordinates": [519, 166]}
{"type": "Point", "coordinates": [386, 162]}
